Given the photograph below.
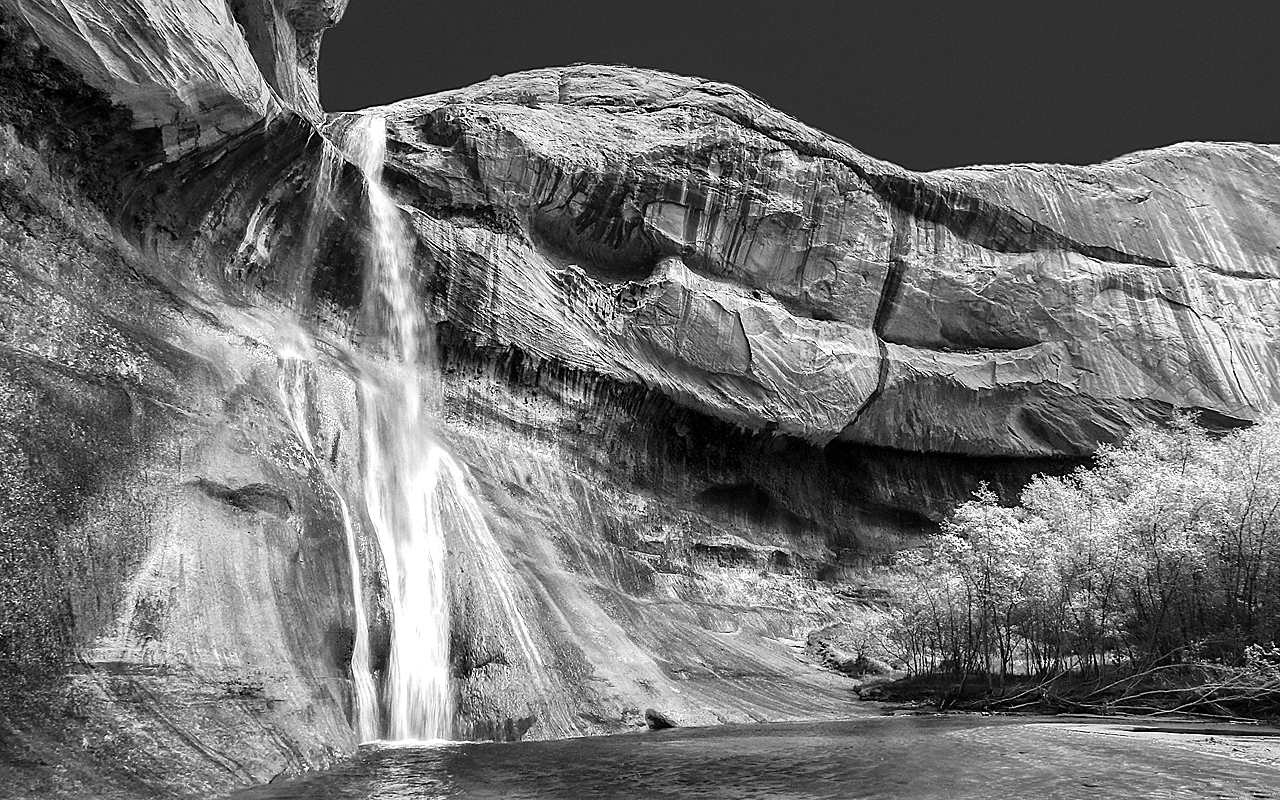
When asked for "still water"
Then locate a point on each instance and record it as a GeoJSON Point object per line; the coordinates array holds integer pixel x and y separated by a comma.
{"type": "Point", "coordinates": [884, 757]}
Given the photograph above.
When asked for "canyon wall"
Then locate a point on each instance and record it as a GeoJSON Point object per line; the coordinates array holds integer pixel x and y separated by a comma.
{"type": "Point", "coordinates": [703, 366]}
{"type": "Point", "coordinates": [681, 234]}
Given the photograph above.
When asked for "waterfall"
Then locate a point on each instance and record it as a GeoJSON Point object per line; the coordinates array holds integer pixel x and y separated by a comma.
{"type": "Point", "coordinates": [415, 493]}
{"type": "Point", "coordinates": [294, 397]}
{"type": "Point", "coordinates": [298, 356]}
{"type": "Point", "coordinates": [403, 465]}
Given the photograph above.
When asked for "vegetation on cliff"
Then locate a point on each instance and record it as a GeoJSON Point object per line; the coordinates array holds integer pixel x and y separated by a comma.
{"type": "Point", "coordinates": [1151, 578]}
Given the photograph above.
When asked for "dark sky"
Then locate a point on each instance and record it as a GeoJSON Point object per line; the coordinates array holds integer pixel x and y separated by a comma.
{"type": "Point", "coordinates": [924, 84]}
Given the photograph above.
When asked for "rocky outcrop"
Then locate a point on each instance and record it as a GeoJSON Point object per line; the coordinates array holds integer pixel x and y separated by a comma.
{"type": "Point", "coordinates": [196, 73]}
{"type": "Point", "coordinates": [680, 234]}
{"type": "Point", "coordinates": [174, 607]}
{"type": "Point", "coordinates": [703, 366]}
{"type": "Point", "coordinates": [174, 604]}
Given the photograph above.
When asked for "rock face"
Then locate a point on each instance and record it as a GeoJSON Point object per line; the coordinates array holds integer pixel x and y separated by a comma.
{"type": "Point", "coordinates": [703, 364]}
{"type": "Point", "coordinates": [681, 234]}
{"type": "Point", "coordinates": [196, 73]}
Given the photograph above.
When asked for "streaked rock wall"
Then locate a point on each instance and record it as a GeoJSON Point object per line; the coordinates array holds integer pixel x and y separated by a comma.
{"type": "Point", "coordinates": [703, 364]}
{"type": "Point", "coordinates": [680, 234]}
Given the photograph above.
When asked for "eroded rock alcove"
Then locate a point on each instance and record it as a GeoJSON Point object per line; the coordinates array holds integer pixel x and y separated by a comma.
{"type": "Point", "coordinates": [704, 365]}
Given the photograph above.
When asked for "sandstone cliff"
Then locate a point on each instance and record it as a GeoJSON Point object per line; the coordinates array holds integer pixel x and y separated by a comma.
{"type": "Point", "coordinates": [681, 234]}
{"type": "Point", "coordinates": [703, 364]}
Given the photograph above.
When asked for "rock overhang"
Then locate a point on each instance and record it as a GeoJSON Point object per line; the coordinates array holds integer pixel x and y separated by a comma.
{"type": "Point", "coordinates": [681, 233]}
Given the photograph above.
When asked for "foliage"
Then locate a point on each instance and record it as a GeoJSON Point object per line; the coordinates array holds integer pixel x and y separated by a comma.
{"type": "Point", "coordinates": [1165, 552]}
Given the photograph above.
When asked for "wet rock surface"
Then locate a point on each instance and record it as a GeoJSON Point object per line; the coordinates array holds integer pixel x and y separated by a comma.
{"type": "Point", "coordinates": [703, 365]}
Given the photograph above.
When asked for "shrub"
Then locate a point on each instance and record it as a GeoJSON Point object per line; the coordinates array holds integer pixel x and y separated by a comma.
{"type": "Point", "coordinates": [1166, 550]}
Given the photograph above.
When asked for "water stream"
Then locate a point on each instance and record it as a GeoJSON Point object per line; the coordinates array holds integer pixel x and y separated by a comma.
{"type": "Point", "coordinates": [412, 495]}
{"type": "Point", "coordinates": [416, 494]}
{"type": "Point", "coordinates": [296, 357]}
{"type": "Point", "coordinates": [403, 465]}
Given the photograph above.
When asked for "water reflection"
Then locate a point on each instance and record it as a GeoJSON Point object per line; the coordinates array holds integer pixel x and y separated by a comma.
{"type": "Point", "coordinates": [890, 757]}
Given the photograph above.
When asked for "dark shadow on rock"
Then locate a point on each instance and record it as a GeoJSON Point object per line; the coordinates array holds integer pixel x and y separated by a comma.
{"type": "Point", "coordinates": [501, 730]}
{"type": "Point", "coordinates": [656, 720]}
{"type": "Point", "coordinates": [255, 497]}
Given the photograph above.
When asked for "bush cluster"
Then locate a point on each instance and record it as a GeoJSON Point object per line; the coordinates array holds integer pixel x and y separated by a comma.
{"type": "Point", "coordinates": [1166, 551]}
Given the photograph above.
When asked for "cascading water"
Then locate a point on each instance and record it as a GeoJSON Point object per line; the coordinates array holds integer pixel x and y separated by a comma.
{"type": "Point", "coordinates": [415, 493]}
{"type": "Point", "coordinates": [403, 466]}
{"type": "Point", "coordinates": [294, 395]}
{"type": "Point", "coordinates": [298, 358]}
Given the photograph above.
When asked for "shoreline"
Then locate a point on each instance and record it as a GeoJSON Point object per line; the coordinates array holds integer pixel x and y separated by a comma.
{"type": "Point", "coordinates": [1255, 742]}
{"type": "Point", "coordinates": [1253, 747]}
